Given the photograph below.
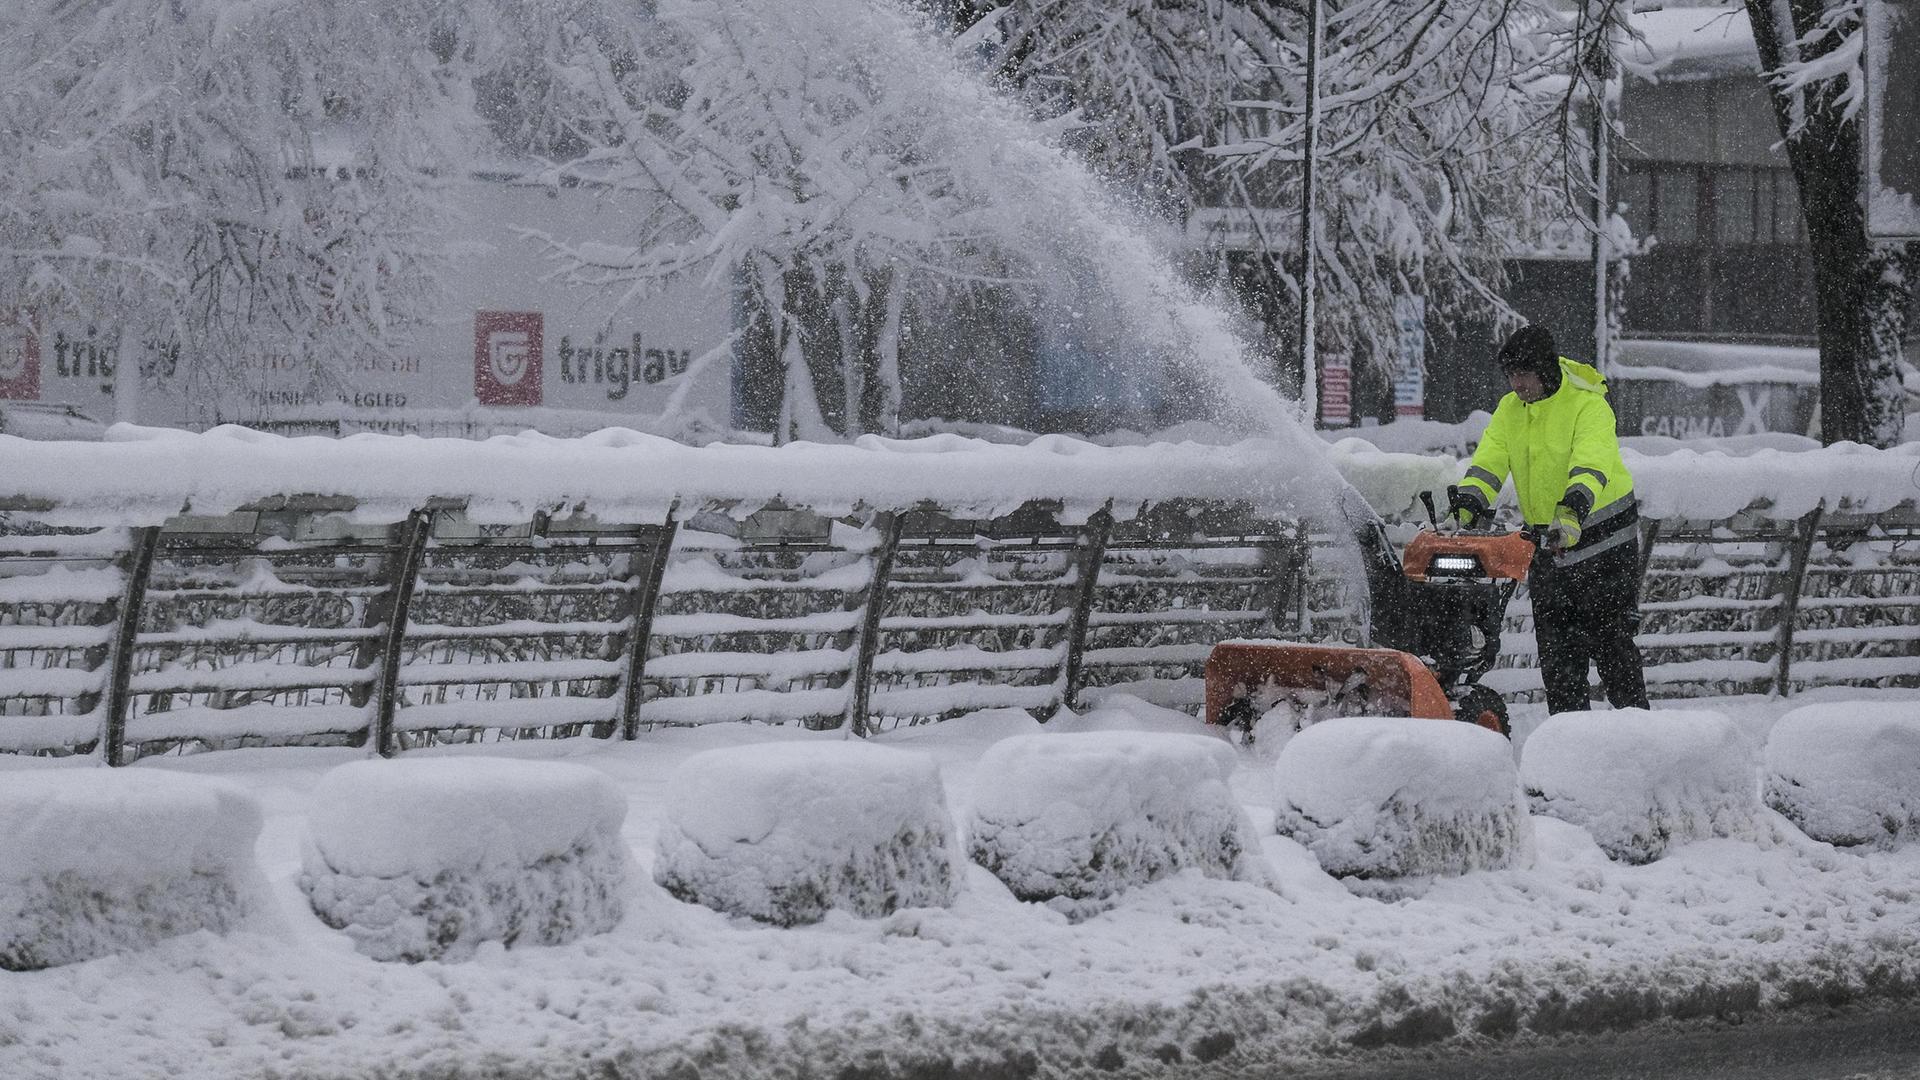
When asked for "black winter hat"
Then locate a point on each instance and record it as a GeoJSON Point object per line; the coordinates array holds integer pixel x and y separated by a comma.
{"type": "Point", "coordinates": [1531, 348]}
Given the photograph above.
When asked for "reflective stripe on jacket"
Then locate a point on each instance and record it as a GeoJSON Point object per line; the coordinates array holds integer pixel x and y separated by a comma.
{"type": "Point", "coordinates": [1560, 449]}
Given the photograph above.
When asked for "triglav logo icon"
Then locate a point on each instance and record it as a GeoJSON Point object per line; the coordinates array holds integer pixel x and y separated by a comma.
{"type": "Point", "coordinates": [19, 358]}
{"type": "Point", "coordinates": [507, 356]}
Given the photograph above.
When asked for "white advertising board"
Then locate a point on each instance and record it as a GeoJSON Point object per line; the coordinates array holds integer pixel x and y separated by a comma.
{"type": "Point", "coordinates": [504, 336]}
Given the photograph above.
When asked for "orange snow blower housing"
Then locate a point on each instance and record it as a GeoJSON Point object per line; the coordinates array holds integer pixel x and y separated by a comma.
{"type": "Point", "coordinates": [1437, 612]}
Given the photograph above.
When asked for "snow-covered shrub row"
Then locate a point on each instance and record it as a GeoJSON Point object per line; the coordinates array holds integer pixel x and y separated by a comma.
{"type": "Point", "coordinates": [1847, 775]}
{"type": "Point", "coordinates": [784, 832]}
{"type": "Point", "coordinates": [1642, 781]}
{"type": "Point", "coordinates": [1085, 816]}
{"type": "Point", "coordinates": [146, 475]}
{"type": "Point", "coordinates": [1380, 799]}
{"type": "Point", "coordinates": [99, 861]}
{"type": "Point", "coordinates": [426, 858]}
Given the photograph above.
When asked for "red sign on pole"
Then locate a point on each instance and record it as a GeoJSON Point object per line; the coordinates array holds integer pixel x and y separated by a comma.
{"type": "Point", "coordinates": [19, 359]}
{"type": "Point", "coordinates": [1336, 396]}
{"type": "Point", "coordinates": [506, 357]}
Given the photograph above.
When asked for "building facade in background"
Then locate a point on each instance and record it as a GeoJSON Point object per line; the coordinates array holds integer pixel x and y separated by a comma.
{"type": "Point", "coordinates": [1718, 322]}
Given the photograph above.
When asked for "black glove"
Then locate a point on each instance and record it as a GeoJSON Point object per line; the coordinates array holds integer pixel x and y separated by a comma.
{"type": "Point", "coordinates": [1464, 508]}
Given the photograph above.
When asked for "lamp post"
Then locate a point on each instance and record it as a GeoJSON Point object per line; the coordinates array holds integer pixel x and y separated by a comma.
{"type": "Point", "coordinates": [1309, 360]}
{"type": "Point", "coordinates": [1604, 69]}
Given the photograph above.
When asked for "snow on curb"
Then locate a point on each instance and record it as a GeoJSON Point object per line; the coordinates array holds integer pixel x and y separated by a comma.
{"type": "Point", "coordinates": [1085, 816]}
{"type": "Point", "coordinates": [1847, 775]}
{"type": "Point", "coordinates": [1384, 799]}
{"type": "Point", "coordinates": [425, 858]}
{"type": "Point", "coordinates": [1642, 781]}
{"type": "Point", "coordinates": [784, 832]}
{"type": "Point", "coordinates": [101, 861]}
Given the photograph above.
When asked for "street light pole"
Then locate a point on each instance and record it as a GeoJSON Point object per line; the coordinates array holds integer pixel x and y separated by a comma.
{"type": "Point", "coordinates": [1605, 72]}
{"type": "Point", "coordinates": [1309, 359]}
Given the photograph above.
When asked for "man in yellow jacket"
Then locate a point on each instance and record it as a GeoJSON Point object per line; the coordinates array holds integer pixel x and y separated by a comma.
{"type": "Point", "coordinates": [1554, 435]}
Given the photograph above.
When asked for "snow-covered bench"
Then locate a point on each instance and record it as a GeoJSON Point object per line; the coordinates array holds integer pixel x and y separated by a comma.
{"type": "Point", "coordinates": [784, 832]}
{"type": "Point", "coordinates": [1082, 817]}
{"type": "Point", "coordinates": [1642, 781]}
{"type": "Point", "coordinates": [425, 858]}
{"type": "Point", "coordinates": [1846, 773]}
{"type": "Point", "coordinates": [1383, 800]}
{"type": "Point", "coordinates": [96, 861]}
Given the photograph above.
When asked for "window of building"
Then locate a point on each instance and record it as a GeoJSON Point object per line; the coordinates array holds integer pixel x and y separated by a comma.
{"type": "Point", "coordinates": [1636, 192]}
{"type": "Point", "coordinates": [1729, 256]}
{"type": "Point", "coordinates": [1676, 205]}
{"type": "Point", "coordinates": [1755, 206]}
{"type": "Point", "coordinates": [1735, 220]}
{"type": "Point", "coordinates": [1789, 224]}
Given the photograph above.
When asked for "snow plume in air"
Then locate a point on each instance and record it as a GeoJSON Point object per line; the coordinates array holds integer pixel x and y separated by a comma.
{"type": "Point", "coordinates": [835, 155]}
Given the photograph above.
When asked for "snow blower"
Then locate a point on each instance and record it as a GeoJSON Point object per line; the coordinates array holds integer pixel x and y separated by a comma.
{"type": "Point", "coordinates": [1434, 618]}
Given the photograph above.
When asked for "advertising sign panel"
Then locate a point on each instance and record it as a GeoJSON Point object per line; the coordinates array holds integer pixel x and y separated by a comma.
{"type": "Point", "coordinates": [503, 333]}
{"type": "Point", "coordinates": [1336, 395]}
{"type": "Point", "coordinates": [19, 359]}
{"type": "Point", "coordinates": [1706, 409]}
{"type": "Point", "coordinates": [1410, 385]}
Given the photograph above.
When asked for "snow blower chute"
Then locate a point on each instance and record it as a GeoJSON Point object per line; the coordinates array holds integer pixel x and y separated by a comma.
{"type": "Point", "coordinates": [1435, 621]}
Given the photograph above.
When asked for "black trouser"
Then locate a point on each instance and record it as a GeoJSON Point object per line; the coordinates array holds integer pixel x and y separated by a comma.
{"type": "Point", "coordinates": [1585, 614]}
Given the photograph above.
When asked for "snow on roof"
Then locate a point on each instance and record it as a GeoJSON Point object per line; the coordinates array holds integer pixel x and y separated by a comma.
{"type": "Point", "coordinates": [1691, 43]}
{"type": "Point", "coordinates": [1783, 361]}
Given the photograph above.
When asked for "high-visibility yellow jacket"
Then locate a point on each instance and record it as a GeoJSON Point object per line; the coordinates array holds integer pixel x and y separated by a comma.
{"type": "Point", "coordinates": [1561, 449]}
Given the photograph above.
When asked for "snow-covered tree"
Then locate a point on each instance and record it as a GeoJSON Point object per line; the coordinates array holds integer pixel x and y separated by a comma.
{"type": "Point", "coordinates": [1810, 54]}
{"type": "Point", "coordinates": [1449, 133]}
{"type": "Point", "coordinates": [220, 183]}
{"type": "Point", "coordinates": [791, 152]}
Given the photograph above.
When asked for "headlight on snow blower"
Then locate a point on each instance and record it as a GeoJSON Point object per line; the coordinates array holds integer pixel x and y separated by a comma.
{"type": "Point", "coordinates": [1454, 566]}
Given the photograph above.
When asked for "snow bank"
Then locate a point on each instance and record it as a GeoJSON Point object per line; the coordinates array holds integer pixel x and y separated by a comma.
{"type": "Point", "coordinates": [425, 858]}
{"type": "Point", "coordinates": [1847, 774]}
{"type": "Point", "coordinates": [1381, 799]}
{"type": "Point", "coordinates": [1642, 781]}
{"type": "Point", "coordinates": [784, 832]}
{"type": "Point", "coordinates": [146, 476]}
{"type": "Point", "coordinates": [99, 861]}
{"type": "Point", "coordinates": [1087, 815]}
{"type": "Point", "coordinates": [1698, 479]}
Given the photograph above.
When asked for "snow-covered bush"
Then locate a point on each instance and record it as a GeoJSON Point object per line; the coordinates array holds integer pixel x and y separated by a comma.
{"type": "Point", "coordinates": [1379, 798]}
{"type": "Point", "coordinates": [1847, 773]}
{"type": "Point", "coordinates": [1641, 781]}
{"type": "Point", "coordinates": [1086, 816]}
{"type": "Point", "coordinates": [784, 832]}
{"type": "Point", "coordinates": [98, 861]}
{"type": "Point", "coordinates": [425, 858]}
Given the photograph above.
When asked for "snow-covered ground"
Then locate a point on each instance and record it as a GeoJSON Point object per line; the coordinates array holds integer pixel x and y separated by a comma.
{"type": "Point", "coordinates": [1223, 969]}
